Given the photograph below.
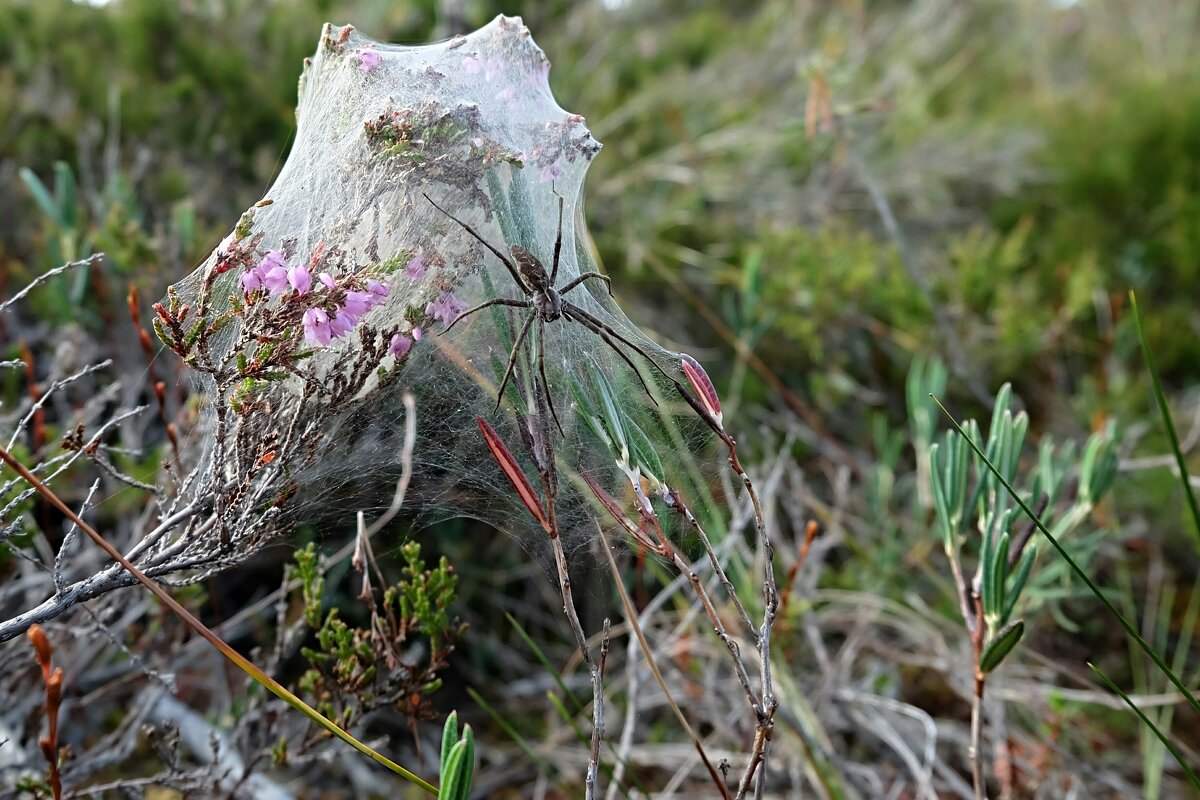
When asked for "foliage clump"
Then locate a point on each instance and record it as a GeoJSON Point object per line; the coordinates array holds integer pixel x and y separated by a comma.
{"type": "Point", "coordinates": [392, 661]}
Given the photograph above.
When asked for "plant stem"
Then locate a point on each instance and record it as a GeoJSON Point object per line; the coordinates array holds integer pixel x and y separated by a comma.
{"type": "Point", "coordinates": [975, 749]}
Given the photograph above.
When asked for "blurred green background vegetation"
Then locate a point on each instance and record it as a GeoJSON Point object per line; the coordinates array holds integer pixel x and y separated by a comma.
{"type": "Point", "coordinates": [843, 184]}
{"type": "Point", "coordinates": [808, 196]}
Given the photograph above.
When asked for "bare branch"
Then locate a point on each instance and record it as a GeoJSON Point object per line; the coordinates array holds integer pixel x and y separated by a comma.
{"type": "Point", "coordinates": [90, 261]}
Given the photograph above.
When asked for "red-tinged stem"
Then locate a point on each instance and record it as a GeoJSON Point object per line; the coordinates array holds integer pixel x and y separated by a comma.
{"type": "Point", "coordinates": [614, 510]}
{"type": "Point", "coordinates": [35, 395]}
{"type": "Point", "coordinates": [975, 749]}
{"type": "Point", "coordinates": [158, 387]}
{"type": "Point", "coordinates": [765, 709]}
{"type": "Point", "coordinates": [53, 681]}
{"type": "Point", "coordinates": [810, 533]}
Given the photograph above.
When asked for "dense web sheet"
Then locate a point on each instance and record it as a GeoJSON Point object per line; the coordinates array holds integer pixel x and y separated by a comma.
{"type": "Point", "coordinates": [324, 307]}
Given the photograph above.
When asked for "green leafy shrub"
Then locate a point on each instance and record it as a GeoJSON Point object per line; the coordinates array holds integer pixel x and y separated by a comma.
{"type": "Point", "coordinates": [356, 669]}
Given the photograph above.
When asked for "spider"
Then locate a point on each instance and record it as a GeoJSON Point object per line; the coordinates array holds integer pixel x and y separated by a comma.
{"type": "Point", "coordinates": [546, 303]}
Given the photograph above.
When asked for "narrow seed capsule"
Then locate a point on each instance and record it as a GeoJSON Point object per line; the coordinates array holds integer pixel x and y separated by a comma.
{"type": "Point", "coordinates": [702, 385]}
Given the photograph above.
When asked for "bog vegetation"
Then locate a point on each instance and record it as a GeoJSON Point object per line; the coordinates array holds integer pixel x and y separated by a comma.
{"type": "Point", "coordinates": [839, 209]}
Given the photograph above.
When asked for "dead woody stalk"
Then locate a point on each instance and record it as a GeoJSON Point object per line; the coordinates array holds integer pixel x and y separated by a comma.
{"type": "Point", "coordinates": [707, 406]}
{"type": "Point", "coordinates": [649, 534]}
{"type": "Point", "coordinates": [544, 513]}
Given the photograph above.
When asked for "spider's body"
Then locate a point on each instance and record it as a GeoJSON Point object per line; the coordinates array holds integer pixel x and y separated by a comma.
{"type": "Point", "coordinates": [546, 303]}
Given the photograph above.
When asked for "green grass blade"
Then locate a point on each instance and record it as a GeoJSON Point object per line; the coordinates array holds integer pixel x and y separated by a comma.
{"type": "Point", "coordinates": [520, 740]}
{"type": "Point", "coordinates": [608, 407]}
{"type": "Point", "coordinates": [41, 195]}
{"type": "Point", "coordinates": [1129, 629]}
{"type": "Point", "coordinates": [1161, 398]}
{"type": "Point", "coordinates": [64, 193]}
{"type": "Point", "coordinates": [500, 206]}
{"type": "Point", "coordinates": [449, 737]}
{"type": "Point", "coordinates": [576, 705]}
{"type": "Point", "coordinates": [1146, 721]}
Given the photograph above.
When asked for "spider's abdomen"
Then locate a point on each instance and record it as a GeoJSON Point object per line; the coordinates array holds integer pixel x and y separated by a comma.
{"type": "Point", "coordinates": [531, 269]}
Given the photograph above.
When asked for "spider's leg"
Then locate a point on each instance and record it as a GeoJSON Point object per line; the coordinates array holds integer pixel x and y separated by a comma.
{"type": "Point", "coordinates": [499, 301]}
{"type": "Point", "coordinates": [599, 328]}
{"type": "Point", "coordinates": [541, 359]}
{"type": "Point", "coordinates": [512, 269]}
{"type": "Point", "coordinates": [557, 242]}
{"type": "Point", "coordinates": [512, 357]}
{"type": "Point", "coordinates": [580, 314]}
{"type": "Point", "coordinates": [587, 276]}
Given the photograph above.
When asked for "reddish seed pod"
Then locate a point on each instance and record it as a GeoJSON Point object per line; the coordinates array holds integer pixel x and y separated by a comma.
{"type": "Point", "coordinates": [702, 385]}
{"type": "Point", "coordinates": [512, 471]}
{"type": "Point", "coordinates": [162, 313]}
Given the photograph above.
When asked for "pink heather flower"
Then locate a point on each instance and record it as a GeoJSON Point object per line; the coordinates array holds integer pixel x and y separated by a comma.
{"type": "Point", "coordinates": [251, 279]}
{"type": "Point", "coordinates": [273, 272]}
{"type": "Point", "coordinates": [341, 324]}
{"type": "Point", "coordinates": [400, 345]}
{"type": "Point", "coordinates": [316, 327]}
{"type": "Point", "coordinates": [300, 279]}
{"type": "Point", "coordinates": [417, 333]}
{"type": "Point", "coordinates": [377, 292]}
{"type": "Point", "coordinates": [477, 142]}
{"type": "Point", "coordinates": [357, 304]}
{"type": "Point", "coordinates": [446, 308]}
{"type": "Point", "coordinates": [271, 260]}
{"type": "Point", "coordinates": [368, 59]}
{"type": "Point", "coordinates": [415, 268]}
{"type": "Point", "coordinates": [276, 280]}
{"type": "Point", "coordinates": [490, 67]}
{"type": "Point", "coordinates": [326, 280]}
{"type": "Point", "coordinates": [550, 172]}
